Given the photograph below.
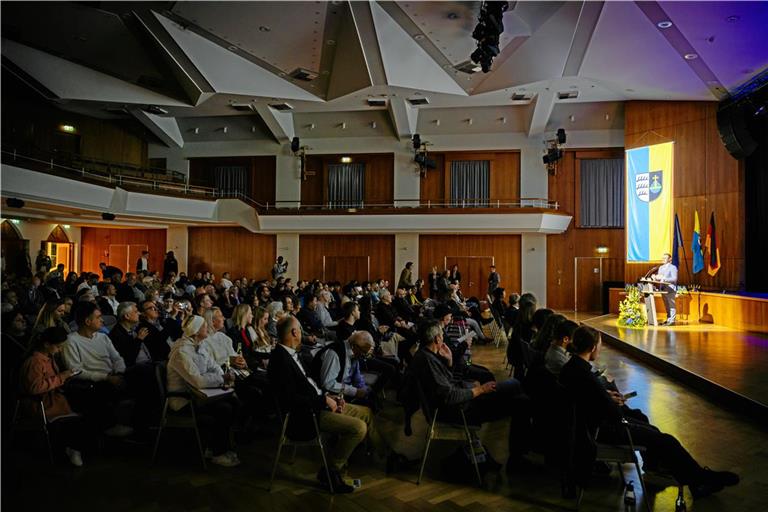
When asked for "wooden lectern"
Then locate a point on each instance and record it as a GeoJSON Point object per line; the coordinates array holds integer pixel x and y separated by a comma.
{"type": "Point", "coordinates": [648, 291]}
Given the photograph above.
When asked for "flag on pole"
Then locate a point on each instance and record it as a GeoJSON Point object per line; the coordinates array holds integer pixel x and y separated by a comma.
{"type": "Point", "coordinates": [677, 243]}
{"type": "Point", "coordinates": [698, 253]}
{"type": "Point", "coordinates": [713, 260]}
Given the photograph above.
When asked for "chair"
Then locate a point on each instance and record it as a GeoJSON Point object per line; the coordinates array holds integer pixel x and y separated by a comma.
{"type": "Point", "coordinates": [286, 441]}
{"type": "Point", "coordinates": [609, 453]}
{"type": "Point", "coordinates": [39, 423]}
{"type": "Point", "coordinates": [450, 430]}
{"type": "Point", "coordinates": [174, 420]}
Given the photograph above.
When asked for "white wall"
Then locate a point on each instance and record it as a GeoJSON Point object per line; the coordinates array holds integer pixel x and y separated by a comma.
{"type": "Point", "coordinates": [288, 247]}
{"type": "Point", "coordinates": [177, 240]}
{"type": "Point", "coordinates": [406, 249]}
{"type": "Point", "coordinates": [533, 265]}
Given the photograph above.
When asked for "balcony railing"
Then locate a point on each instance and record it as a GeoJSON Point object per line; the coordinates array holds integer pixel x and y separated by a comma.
{"type": "Point", "coordinates": [174, 183]}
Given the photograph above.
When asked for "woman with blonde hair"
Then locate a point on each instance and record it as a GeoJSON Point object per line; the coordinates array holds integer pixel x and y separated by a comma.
{"type": "Point", "coordinates": [50, 315]}
{"type": "Point", "coordinates": [220, 345]}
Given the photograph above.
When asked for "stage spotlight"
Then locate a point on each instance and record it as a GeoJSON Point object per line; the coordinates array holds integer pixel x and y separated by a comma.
{"type": "Point", "coordinates": [424, 161]}
{"type": "Point", "coordinates": [561, 136]}
{"type": "Point", "coordinates": [416, 141]}
{"type": "Point", "coordinates": [13, 202]}
{"type": "Point", "coordinates": [108, 216]}
{"type": "Point", "coordinates": [295, 144]}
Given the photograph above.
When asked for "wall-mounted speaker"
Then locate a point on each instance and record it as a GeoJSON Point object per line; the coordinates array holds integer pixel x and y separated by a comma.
{"type": "Point", "coordinates": [295, 144]}
{"type": "Point", "coordinates": [13, 202]}
{"type": "Point", "coordinates": [108, 216]}
{"type": "Point", "coordinates": [734, 130]}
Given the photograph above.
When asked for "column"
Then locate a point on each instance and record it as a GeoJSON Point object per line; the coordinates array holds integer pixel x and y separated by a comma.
{"type": "Point", "coordinates": [288, 247]}
{"type": "Point", "coordinates": [406, 249]}
{"type": "Point", "coordinates": [177, 240]}
{"type": "Point", "coordinates": [533, 265]}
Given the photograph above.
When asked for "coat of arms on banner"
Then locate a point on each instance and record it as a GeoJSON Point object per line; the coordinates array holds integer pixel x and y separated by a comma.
{"type": "Point", "coordinates": [648, 185]}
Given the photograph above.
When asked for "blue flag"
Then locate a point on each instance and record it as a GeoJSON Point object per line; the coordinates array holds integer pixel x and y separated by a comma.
{"type": "Point", "coordinates": [698, 255]}
{"type": "Point", "coordinates": [677, 243]}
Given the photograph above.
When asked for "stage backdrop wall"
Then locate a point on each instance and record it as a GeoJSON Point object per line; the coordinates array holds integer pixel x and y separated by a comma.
{"type": "Point", "coordinates": [231, 249]}
{"type": "Point", "coordinates": [707, 179]}
{"type": "Point", "coordinates": [96, 242]}
{"type": "Point", "coordinates": [361, 257]}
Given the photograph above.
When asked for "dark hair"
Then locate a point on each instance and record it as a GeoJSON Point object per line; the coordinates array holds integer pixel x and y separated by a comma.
{"type": "Point", "coordinates": [348, 308]}
{"type": "Point", "coordinates": [52, 335]}
{"type": "Point", "coordinates": [498, 293]}
{"type": "Point", "coordinates": [84, 311]}
{"type": "Point", "coordinates": [441, 311]}
{"type": "Point", "coordinates": [584, 340]}
{"type": "Point", "coordinates": [566, 328]}
{"type": "Point", "coordinates": [540, 316]}
{"type": "Point", "coordinates": [546, 333]}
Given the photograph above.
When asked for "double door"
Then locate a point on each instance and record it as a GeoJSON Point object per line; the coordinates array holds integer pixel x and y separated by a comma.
{"type": "Point", "coordinates": [124, 256]}
{"type": "Point", "coordinates": [474, 274]}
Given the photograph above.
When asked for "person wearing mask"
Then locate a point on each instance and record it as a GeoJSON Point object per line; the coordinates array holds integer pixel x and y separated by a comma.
{"type": "Point", "coordinates": [40, 378]}
{"type": "Point", "coordinates": [190, 365]}
{"type": "Point", "coordinates": [602, 409]}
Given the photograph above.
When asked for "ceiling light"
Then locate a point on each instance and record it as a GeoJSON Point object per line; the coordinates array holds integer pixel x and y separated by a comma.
{"type": "Point", "coordinates": [691, 56]}
{"type": "Point", "coordinates": [343, 126]}
{"type": "Point", "coordinates": [196, 130]}
{"type": "Point", "coordinates": [65, 226]}
{"type": "Point", "coordinates": [16, 221]}
{"type": "Point", "coordinates": [732, 19]}
{"type": "Point", "coordinates": [346, 159]}
{"type": "Point", "coordinates": [469, 121]}
{"type": "Point", "coordinates": [264, 28]}
{"type": "Point", "coordinates": [418, 37]}
{"type": "Point", "coordinates": [607, 117]}
{"type": "Point", "coordinates": [503, 120]}
{"type": "Point", "coordinates": [664, 24]}
{"type": "Point", "coordinates": [253, 129]}
{"type": "Point", "coordinates": [225, 129]}
{"type": "Point", "coordinates": [330, 42]}
{"type": "Point", "coordinates": [418, 101]}
{"type": "Point", "coordinates": [373, 124]}
{"type": "Point", "coordinates": [232, 48]}
{"type": "Point", "coordinates": [571, 118]}
{"type": "Point", "coordinates": [437, 122]}
{"type": "Point", "coordinates": [311, 126]}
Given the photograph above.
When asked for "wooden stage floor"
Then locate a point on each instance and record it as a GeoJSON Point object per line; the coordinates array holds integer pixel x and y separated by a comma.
{"type": "Point", "coordinates": [725, 363]}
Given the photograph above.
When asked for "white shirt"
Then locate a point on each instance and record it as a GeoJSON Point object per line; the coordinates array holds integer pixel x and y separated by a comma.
{"type": "Point", "coordinates": [295, 358]}
{"type": "Point", "coordinates": [324, 315]}
{"type": "Point", "coordinates": [226, 283]}
{"type": "Point", "coordinates": [113, 302]}
{"type": "Point", "coordinates": [190, 365]}
{"type": "Point", "coordinates": [219, 345]}
{"type": "Point", "coordinates": [96, 356]}
{"type": "Point", "coordinates": [144, 264]}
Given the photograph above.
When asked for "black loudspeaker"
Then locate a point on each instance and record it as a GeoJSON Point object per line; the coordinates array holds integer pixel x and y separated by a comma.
{"type": "Point", "coordinates": [13, 202]}
{"type": "Point", "coordinates": [108, 216]}
{"type": "Point", "coordinates": [295, 144]}
{"type": "Point", "coordinates": [416, 141]}
{"type": "Point", "coordinates": [561, 136]}
{"type": "Point", "coordinates": [734, 131]}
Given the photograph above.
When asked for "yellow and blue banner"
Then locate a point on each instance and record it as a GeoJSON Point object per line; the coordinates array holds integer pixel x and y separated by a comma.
{"type": "Point", "coordinates": [649, 179]}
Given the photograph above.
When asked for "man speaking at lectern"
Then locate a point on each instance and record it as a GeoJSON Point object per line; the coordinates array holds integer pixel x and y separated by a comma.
{"type": "Point", "coordinates": [667, 274]}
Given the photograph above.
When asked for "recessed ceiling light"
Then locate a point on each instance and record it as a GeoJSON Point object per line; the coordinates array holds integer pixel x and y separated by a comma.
{"type": "Point", "coordinates": [330, 42]}
{"type": "Point", "coordinates": [664, 24]}
{"type": "Point", "coordinates": [732, 19]}
{"type": "Point", "coordinates": [232, 48]}
{"type": "Point", "coordinates": [691, 56]}
{"type": "Point", "coordinates": [264, 28]}
{"type": "Point", "coordinates": [571, 118]}
{"type": "Point", "coordinates": [418, 37]}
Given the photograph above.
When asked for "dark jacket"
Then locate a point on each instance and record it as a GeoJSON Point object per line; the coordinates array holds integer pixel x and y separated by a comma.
{"type": "Point", "coordinates": [294, 393]}
{"type": "Point", "coordinates": [156, 339]}
{"type": "Point", "coordinates": [126, 343]}
{"type": "Point", "coordinates": [386, 314]}
{"type": "Point", "coordinates": [344, 330]}
{"type": "Point", "coordinates": [403, 308]}
{"type": "Point", "coordinates": [110, 271]}
{"type": "Point", "coordinates": [170, 265]}
{"type": "Point", "coordinates": [244, 341]}
{"type": "Point", "coordinates": [310, 321]}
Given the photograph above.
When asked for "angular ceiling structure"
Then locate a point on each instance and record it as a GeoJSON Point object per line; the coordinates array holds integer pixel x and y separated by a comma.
{"type": "Point", "coordinates": [279, 69]}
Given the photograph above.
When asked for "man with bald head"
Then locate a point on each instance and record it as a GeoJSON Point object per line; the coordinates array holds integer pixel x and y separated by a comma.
{"type": "Point", "coordinates": [337, 366]}
{"type": "Point", "coordinates": [299, 395]}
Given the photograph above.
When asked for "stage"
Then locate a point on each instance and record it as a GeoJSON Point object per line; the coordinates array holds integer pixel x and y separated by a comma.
{"type": "Point", "coordinates": [724, 363]}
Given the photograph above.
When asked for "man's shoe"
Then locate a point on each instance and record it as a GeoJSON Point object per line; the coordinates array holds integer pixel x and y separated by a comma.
{"type": "Point", "coordinates": [119, 431]}
{"type": "Point", "coordinates": [723, 478]}
{"type": "Point", "coordinates": [74, 457]}
{"type": "Point", "coordinates": [225, 460]}
{"type": "Point", "coordinates": [339, 485]}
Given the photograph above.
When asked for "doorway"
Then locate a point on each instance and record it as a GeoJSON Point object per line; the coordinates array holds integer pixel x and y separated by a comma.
{"type": "Point", "coordinates": [124, 256]}
{"type": "Point", "coordinates": [474, 273]}
{"type": "Point", "coordinates": [587, 284]}
{"type": "Point", "coordinates": [15, 251]}
{"type": "Point", "coordinates": [60, 249]}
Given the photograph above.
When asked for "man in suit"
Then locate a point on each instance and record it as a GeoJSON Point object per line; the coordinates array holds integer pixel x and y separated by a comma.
{"type": "Point", "coordinates": [300, 396]}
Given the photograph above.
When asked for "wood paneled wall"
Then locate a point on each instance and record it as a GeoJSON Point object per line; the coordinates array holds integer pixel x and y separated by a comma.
{"type": "Point", "coordinates": [263, 174]}
{"type": "Point", "coordinates": [505, 249]}
{"type": "Point", "coordinates": [707, 179]}
{"type": "Point", "coordinates": [504, 179]}
{"type": "Point", "coordinates": [380, 248]}
{"type": "Point", "coordinates": [95, 242]}
{"type": "Point", "coordinates": [30, 123]}
{"type": "Point", "coordinates": [231, 249]}
{"type": "Point", "coordinates": [582, 242]}
{"type": "Point", "coordinates": [379, 178]}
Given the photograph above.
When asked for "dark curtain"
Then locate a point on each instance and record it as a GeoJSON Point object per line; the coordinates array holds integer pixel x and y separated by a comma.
{"type": "Point", "coordinates": [231, 181]}
{"type": "Point", "coordinates": [756, 209]}
{"type": "Point", "coordinates": [602, 193]}
{"type": "Point", "coordinates": [346, 185]}
{"type": "Point", "coordinates": [470, 183]}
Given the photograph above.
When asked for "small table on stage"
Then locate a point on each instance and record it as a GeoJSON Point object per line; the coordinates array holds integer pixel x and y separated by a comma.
{"type": "Point", "coordinates": [650, 304]}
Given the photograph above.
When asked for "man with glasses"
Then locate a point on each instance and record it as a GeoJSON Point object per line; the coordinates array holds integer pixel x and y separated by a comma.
{"type": "Point", "coordinates": [336, 367]}
{"type": "Point", "coordinates": [158, 335]}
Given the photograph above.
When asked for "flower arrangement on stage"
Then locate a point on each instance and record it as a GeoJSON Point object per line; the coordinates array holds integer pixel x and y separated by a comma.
{"type": "Point", "coordinates": [631, 309]}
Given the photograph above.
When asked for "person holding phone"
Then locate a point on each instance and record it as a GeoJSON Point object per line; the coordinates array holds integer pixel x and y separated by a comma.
{"type": "Point", "coordinates": [42, 382]}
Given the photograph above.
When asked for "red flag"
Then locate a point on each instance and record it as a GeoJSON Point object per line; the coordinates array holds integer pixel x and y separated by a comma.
{"type": "Point", "coordinates": [713, 259]}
